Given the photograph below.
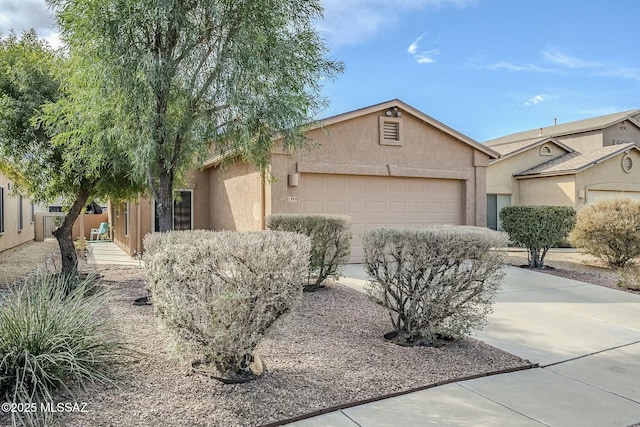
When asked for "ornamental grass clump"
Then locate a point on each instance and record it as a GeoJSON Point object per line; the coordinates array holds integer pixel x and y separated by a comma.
{"type": "Point", "coordinates": [609, 230]}
{"type": "Point", "coordinates": [438, 282]}
{"type": "Point", "coordinates": [330, 242]}
{"type": "Point", "coordinates": [53, 334]}
{"type": "Point", "coordinates": [219, 292]}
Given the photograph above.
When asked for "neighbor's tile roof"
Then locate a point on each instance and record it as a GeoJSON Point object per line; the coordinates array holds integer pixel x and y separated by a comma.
{"type": "Point", "coordinates": [586, 125]}
{"type": "Point", "coordinates": [576, 162]}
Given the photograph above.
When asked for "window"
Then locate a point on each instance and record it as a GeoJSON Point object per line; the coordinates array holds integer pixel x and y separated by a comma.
{"type": "Point", "coordinates": [126, 218]}
{"type": "Point", "coordinates": [1, 209]}
{"type": "Point", "coordinates": [20, 214]}
{"type": "Point", "coordinates": [182, 211]}
{"type": "Point", "coordinates": [390, 129]}
{"type": "Point", "coordinates": [495, 203]}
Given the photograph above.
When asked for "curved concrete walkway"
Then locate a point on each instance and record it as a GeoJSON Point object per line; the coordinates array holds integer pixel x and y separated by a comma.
{"type": "Point", "coordinates": [586, 339]}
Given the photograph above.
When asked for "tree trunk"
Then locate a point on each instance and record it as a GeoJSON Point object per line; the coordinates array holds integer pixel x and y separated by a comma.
{"type": "Point", "coordinates": [164, 201]}
{"type": "Point", "coordinates": [64, 234]}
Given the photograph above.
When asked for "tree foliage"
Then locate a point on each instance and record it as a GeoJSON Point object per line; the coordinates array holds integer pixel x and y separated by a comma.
{"type": "Point", "coordinates": [609, 230]}
{"type": "Point", "coordinates": [57, 139]}
{"type": "Point", "coordinates": [537, 228]}
{"type": "Point", "coordinates": [202, 72]}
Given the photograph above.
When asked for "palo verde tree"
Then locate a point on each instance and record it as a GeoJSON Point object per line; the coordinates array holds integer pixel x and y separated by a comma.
{"type": "Point", "coordinates": [55, 140]}
{"type": "Point", "coordinates": [203, 73]}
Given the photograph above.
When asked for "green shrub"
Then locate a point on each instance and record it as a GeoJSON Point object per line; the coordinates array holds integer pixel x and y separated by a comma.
{"type": "Point", "coordinates": [435, 282]}
{"type": "Point", "coordinates": [609, 230]}
{"type": "Point", "coordinates": [330, 242]}
{"type": "Point", "coordinates": [51, 337]}
{"type": "Point", "coordinates": [219, 292]}
{"type": "Point", "coordinates": [537, 228]}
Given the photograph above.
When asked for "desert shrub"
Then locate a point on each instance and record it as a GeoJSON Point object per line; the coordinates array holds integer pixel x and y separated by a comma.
{"type": "Point", "coordinates": [219, 292]}
{"type": "Point", "coordinates": [609, 230]}
{"type": "Point", "coordinates": [330, 242]}
{"type": "Point", "coordinates": [435, 282]}
{"type": "Point", "coordinates": [53, 334]}
{"type": "Point", "coordinates": [629, 276]}
{"type": "Point", "coordinates": [537, 228]}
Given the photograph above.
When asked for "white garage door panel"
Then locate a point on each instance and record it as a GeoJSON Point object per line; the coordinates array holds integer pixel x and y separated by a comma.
{"type": "Point", "coordinates": [375, 202]}
{"type": "Point", "coordinates": [595, 195]}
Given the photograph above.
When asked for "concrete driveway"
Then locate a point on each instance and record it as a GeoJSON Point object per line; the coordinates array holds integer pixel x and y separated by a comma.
{"type": "Point", "coordinates": [586, 339]}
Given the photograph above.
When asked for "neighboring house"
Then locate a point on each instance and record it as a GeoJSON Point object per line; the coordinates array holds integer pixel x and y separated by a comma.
{"type": "Point", "coordinates": [387, 165]}
{"type": "Point", "coordinates": [571, 164]}
{"type": "Point", "coordinates": [16, 217]}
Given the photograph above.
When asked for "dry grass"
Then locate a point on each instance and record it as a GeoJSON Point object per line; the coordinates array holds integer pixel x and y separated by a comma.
{"type": "Point", "coordinates": [16, 262]}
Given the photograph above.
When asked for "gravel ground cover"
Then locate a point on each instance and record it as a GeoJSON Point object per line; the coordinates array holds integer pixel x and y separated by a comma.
{"type": "Point", "coordinates": [328, 351]}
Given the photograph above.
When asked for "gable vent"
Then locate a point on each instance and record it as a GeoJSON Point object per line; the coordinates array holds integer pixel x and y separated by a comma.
{"type": "Point", "coordinates": [391, 131]}
{"type": "Point", "coordinates": [545, 150]}
{"type": "Point", "coordinates": [627, 163]}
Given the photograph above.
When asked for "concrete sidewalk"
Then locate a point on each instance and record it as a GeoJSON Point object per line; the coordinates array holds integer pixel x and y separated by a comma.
{"type": "Point", "coordinates": [106, 252]}
{"type": "Point", "coordinates": [585, 337]}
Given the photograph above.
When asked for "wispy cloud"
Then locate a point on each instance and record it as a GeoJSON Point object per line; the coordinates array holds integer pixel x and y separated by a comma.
{"type": "Point", "coordinates": [426, 57]}
{"type": "Point", "coordinates": [562, 59]}
{"type": "Point", "coordinates": [536, 100]}
{"type": "Point", "coordinates": [503, 65]}
{"type": "Point", "coordinates": [413, 47]}
{"type": "Point", "coordinates": [348, 23]}
{"type": "Point", "coordinates": [422, 57]}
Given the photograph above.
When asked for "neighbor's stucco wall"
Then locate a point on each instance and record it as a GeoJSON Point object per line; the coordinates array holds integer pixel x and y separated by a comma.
{"type": "Point", "coordinates": [548, 191]}
{"type": "Point", "coordinates": [235, 201]}
{"type": "Point", "coordinates": [353, 147]}
{"type": "Point", "coordinates": [12, 236]}
{"type": "Point", "coordinates": [621, 132]}
{"type": "Point", "coordinates": [500, 179]}
{"type": "Point", "coordinates": [584, 141]}
{"type": "Point", "coordinates": [609, 176]}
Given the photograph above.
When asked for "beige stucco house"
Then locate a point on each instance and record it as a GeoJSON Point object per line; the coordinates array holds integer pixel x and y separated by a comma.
{"type": "Point", "coordinates": [16, 217]}
{"type": "Point", "coordinates": [387, 165]}
{"type": "Point", "coordinates": [572, 164]}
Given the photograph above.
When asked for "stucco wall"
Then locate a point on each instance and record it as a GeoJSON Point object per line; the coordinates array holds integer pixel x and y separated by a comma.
{"type": "Point", "coordinates": [500, 173]}
{"type": "Point", "coordinates": [235, 198]}
{"type": "Point", "coordinates": [610, 176]}
{"type": "Point", "coordinates": [621, 132]}
{"type": "Point", "coordinates": [353, 147]}
{"type": "Point", "coordinates": [548, 191]}
{"type": "Point", "coordinates": [11, 236]}
{"type": "Point", "coordinates": [584, 141]}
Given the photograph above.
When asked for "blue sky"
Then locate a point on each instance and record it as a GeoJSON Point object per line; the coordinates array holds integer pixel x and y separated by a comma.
{"type": "Point", "coordinates": [484, 67]}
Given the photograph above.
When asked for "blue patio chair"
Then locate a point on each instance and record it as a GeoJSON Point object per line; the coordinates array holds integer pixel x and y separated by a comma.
{"type": "Point", "coordinates": [98, 232]}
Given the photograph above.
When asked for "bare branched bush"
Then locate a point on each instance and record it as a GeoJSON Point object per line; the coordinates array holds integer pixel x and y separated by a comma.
{"type": "Point", "coordinates": [609, 230]}
{"type": "Point", "coordinates": [437, 282]}
{"type": "Point", "coordinates": [330, 242]}
{"type": "Point", "coordinates": [220, 291]}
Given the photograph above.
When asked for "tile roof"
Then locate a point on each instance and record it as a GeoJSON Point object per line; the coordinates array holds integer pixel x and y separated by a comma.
{"type": "Point", "coordinates": [585, 125]}
{"type": "Point", "coordinates": [576, 162]}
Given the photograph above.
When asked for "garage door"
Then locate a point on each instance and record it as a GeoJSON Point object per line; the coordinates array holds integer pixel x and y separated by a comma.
{"type": "Point", "coordinates": [374, 202]}
{"type": "Point", "coordinates": [595, 195]}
